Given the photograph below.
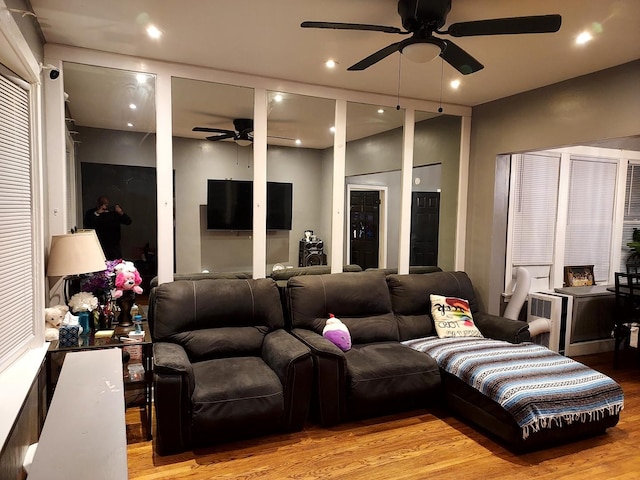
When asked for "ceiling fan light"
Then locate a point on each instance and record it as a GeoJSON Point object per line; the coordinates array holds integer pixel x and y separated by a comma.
{"type": "Point", "coordinates": [421, 52]}
{"type": "Point", "coordinates": [243, 142]}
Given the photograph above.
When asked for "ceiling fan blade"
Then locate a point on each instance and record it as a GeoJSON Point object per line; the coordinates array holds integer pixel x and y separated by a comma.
{"type": "Point", "coordinates": [223, 136]}
{"type": "Point", "coordinates": [352, 26]}
{"type": "Point", "coordinates": [375, 57]}
{"type": "Point", "coordinates": [506, 26]}
{"type": "Point", "coordinates": [459, 59]}
{"type": "Point", "coordinates": [212, 130]}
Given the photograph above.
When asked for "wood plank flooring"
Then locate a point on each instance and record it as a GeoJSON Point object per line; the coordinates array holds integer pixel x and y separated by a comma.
{"type": "Point", "coordinates": [412, 446]}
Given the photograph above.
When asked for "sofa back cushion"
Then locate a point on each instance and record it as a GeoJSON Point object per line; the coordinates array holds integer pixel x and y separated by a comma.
{"type": "Point", "coordinates": [361, 300]}
{"type": "Point", "coordinates": [411, 304]}
{"type": "Point", "coordinates": [216, 318]}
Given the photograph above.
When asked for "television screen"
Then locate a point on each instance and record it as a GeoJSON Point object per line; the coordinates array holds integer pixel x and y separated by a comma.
{"type": "Point", "coordinates": [230, 205]}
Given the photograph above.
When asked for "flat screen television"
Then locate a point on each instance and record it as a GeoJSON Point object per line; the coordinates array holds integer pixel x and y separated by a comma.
{"type": "Point", "coordinates": [230, 205]}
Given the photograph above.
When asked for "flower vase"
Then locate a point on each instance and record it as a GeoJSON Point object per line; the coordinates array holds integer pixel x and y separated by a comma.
{"type": "Point", "coordinates": [125, 303]}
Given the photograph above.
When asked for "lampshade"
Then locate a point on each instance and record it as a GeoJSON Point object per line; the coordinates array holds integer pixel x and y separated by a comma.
{"type": "Point", "coordinates": [75, 253]}
{"type": "Point", "coordinates": [421, 52]}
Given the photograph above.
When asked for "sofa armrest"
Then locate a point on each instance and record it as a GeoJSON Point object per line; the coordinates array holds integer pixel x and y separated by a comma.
{"type": "Point", "coordinates": [500, 328]}
{"type": "Point", "coordinates": [330, 376]}
{"type": "Point", "coordinates": [291, 360]}
{"type": "Point", "coordinates": [173, 384]}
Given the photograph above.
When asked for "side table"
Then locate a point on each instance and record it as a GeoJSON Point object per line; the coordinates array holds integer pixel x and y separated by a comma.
{"type": "Point", "coordinates": [91, 342]}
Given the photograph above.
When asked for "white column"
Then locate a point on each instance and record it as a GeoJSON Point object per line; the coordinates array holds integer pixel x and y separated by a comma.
{"type": "Point", "coordinates": [404, 235]}
{"type": "Point", "coordinates": [164, 172]}
{"type": "Point", "coordinates": [55, 151]}
{"type": "Point", "coordinates": [259, 183]}
{"type": "Point", "coordinates": [337, 215]}
{"type": "Point", "coordinates": [463, 187]}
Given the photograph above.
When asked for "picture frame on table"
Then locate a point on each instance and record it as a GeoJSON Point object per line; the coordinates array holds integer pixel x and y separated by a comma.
{"type": "Point", "coordinates": [579, 276]}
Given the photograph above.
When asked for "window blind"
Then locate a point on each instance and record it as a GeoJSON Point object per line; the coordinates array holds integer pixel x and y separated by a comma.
{"type": "Point", "coordinates": [631, 211]}
{"type": "Point", "coordinates": [592, 185]}
{"type": "Point", "coordinates": [16, 231]}
{"type": "Point", "coordinates": [535, 208]}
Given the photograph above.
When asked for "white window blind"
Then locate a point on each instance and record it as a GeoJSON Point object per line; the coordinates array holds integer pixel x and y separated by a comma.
{"type": "Point", "coordinates": [16, 232]}
{"type": "Point", "coordinates": [592, 185]}
{"type": "Point", "coordinates": [631, 211]}
{"type": "Point", "coordinates": [535, 207]}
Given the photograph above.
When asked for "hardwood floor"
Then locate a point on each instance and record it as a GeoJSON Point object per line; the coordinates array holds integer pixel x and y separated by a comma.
{"type": "Point", "coordinates": [416, 445]}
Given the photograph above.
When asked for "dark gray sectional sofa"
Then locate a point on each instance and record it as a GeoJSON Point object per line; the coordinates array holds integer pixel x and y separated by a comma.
{"type": "Point", "coordinates": [241, 320]}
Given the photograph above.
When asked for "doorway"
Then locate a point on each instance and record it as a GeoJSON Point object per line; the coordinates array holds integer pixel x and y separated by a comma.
{"type": "Point", "coordinates": [367, 226]}
{"type": "Point", "coordinates": [425, 225]}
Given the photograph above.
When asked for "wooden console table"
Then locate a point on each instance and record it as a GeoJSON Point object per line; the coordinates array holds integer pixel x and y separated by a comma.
{"type": "Point", "coordinates": [84, 434]}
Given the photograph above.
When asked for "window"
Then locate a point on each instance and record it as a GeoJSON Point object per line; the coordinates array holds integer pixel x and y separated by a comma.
{"type": "Point", "coordinates": [631, 217]}
{"type": "Point", "coordinates": [592, 190]}
{"type": "Point", "coordinates": [16, 222]}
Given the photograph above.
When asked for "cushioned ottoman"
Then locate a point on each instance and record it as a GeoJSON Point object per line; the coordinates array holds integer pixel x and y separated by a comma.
{"type": "Point", "coordinates": [525, 394]}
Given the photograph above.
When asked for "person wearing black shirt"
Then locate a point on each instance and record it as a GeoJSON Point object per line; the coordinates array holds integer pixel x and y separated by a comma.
{"type": "Point", "coordinates": [107, 223]}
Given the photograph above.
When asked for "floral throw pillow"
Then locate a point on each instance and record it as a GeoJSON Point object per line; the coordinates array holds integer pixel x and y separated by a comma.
{"type": "Point", "coordinates": [452, 317]}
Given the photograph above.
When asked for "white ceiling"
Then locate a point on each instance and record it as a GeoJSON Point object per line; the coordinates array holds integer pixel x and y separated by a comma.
{"type": "Point", "coordinates": [264, 38]}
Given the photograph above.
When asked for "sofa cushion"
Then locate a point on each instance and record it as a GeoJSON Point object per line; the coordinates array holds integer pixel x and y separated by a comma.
{"type": "Point", "coordinates": [452, 317]}
{"type": "Point", "coordinates": [210, 343]}
{"type": "Point", "coordinates": [410, 299]}
{"type": "Point", "coordinates": [360, 300]}
{"type": "Point", "coordinates": [391, 373]}
{"type": "Point", "coordinates": [215, 305]}
{"type": "Point", "coordinates": [234, 396]}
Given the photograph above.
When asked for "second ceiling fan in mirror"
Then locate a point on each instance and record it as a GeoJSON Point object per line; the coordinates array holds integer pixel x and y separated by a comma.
{"type": "Point", "coordinates": [242, 135]}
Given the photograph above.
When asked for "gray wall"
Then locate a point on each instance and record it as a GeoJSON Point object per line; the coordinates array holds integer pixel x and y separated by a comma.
{"type": "Point", "coordinates": [599, 106]}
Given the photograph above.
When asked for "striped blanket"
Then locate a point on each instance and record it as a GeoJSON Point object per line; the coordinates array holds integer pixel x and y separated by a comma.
{"type": "Point", "coordinates": [537, 386]}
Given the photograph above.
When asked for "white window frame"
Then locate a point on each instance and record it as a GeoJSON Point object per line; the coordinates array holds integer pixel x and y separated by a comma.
{"type": "Point", "coordinates": [555, 276]}
{"type": "Point", "coordinates": [17, 377]}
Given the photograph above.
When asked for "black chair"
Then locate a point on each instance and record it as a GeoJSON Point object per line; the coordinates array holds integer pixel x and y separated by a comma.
{"type": "Point", "coordinates": [627, 289]}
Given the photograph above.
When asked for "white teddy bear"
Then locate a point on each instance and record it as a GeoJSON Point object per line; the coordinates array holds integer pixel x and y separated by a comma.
{"type": "Point", "coordinates": [53, 317]}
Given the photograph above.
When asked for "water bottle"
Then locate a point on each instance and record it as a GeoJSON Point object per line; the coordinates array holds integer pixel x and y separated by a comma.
{"type": "Point", "coordinates": [137, 321]}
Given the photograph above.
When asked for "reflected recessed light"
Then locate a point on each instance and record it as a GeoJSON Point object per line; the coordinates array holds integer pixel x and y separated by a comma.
{"type": "Point", "coordinates": [455, 84]}
{"type": "Point", "coordinates": [331, 63]}
{"type": "Point", "coordinates": [583, 38]}
{"type": "Point", "coordinates": [153, 32]}
{"type": "Point", "coordinates": [141, 78]}
{"type": "Point", "coordinates": [380, 110]}
{"type": "Point", "coordinates": [132, 106]}
{"type": "Point", "coordinates": [298, 141]}
{"type": "Point", "coordinates": [333, 129]}
{"type": "Point", "coordinates": [278, 97]}
{"type": "Point", "coordinates": [129, 124]}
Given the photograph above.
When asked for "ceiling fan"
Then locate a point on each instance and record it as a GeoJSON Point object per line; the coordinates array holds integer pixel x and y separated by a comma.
{"type": "Point", "coordinates": [423, 18]}
{"type": "Point", "coordinates": [242, 135]}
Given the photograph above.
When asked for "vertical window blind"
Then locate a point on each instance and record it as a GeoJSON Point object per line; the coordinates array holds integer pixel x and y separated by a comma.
{"type": "Point", "coordinates": [16, 226]}
{"type": "Point", "coordinates": [592, 186]}
{"type": "Point", "coordinates": [535, 208]}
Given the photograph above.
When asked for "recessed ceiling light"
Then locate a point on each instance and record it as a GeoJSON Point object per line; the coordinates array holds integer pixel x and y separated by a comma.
{"type": "Point", "coordinates": [141, 78]}
{"type": "Point", "coordinates": [380, 110]}
{"type": "Point", "coordinates": [129, 124]}
{"type": "Point", "coordinates": [278, 97]}
{"type": "Point", "coordinates": [132, 106]}
{"type": "Point", "coordinates": [583, 38]}
{"type": "Point", "coordinates": [455, 84]}
{"type": "Point", "coordinates": [153, 32]}
{"type": "Point", "coordinates": [333, 129]}
{"type": "Point", "coordinates": [331, 63]}
{"type": "Point", "coordinates": [298, 141]}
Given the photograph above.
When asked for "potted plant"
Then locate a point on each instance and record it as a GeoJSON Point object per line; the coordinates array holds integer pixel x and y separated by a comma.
{"type": "Point", "coordinates": [633, 260]}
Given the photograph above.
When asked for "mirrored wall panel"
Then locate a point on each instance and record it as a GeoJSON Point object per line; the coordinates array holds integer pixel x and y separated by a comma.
{"type": "Point", "coordinates": [373, 166]}
{"type": "Point", "coordinates": [213, 175]}
{"type": "Point", "coordinates": [110, 117]}
{"type": "Point", "coordinates": [434, 196]}
{"type": "Point", "coordinates": [299, 180]}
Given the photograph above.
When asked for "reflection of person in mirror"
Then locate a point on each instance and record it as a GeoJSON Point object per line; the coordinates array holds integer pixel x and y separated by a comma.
{"type": "Point", "coordinates": [106, 222]}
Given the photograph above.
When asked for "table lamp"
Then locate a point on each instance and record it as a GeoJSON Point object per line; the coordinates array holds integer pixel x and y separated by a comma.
{"type": "Point", "coordinates": [73, 254]}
